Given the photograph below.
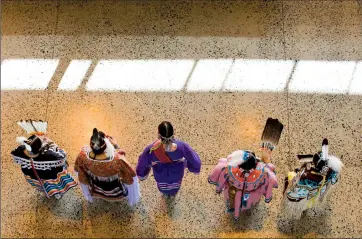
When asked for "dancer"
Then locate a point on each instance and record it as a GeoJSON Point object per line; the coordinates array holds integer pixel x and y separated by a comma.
{"type": "Point", "coordinates": [103, 171]}
{"type": "Point", "coordinates": [309, 185]}
{"type": "Point", "coordinates": [168, 158]}
{"type": "Point", "coordinates": [42, 162]}
{"type": "Point", "coordinates": [243, 178]}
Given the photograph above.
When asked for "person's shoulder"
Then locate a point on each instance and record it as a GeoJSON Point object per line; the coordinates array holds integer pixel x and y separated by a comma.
{"type": "Point", "coordinates": [85, 149]}
{"type": "Point", "coordinates": [181, 143]}
{"type": "Point", "coordinates": [120, 160]}
{"type": "Point", "coordinates": [18, 151]}
{"type": "Point", "coordinates": [119, 154]}
{"type": "Point", "coordinates": [148, 147]}
{"type": "Point", "coordinates": [261, 165]}
{"type": "Point", "coordinates": [268, 167]}
{"type": "Point", "coordinates": [83, 154]}
{"type": "Point", "coordinates": [120, 151]}
{"type": "Point", "coordinates": [52, 155]}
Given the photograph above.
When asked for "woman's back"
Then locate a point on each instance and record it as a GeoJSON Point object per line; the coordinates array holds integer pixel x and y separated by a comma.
{"type": "Point", "coordinates": [168, 158]}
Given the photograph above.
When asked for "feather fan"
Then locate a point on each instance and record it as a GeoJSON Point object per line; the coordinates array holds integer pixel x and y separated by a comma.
{"type": "Point", "coordinates": [271, 134]}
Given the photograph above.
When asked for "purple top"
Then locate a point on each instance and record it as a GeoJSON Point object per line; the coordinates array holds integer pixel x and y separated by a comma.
{"type": "Point", "coordinates": [183, 157]}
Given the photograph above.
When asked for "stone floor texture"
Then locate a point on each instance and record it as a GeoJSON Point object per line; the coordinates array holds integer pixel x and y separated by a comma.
{"type": "Point", "coordinates": [217, 70]}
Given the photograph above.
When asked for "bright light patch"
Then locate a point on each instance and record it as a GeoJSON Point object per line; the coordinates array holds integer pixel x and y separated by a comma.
{"type": "Point", "coordinates": [140, 75]}
{"type": "Point", "coordinates": [209, 75]}
{"type": "Point", "coordinates": [259, 75]}
{"type": "Point", "coordinates": [74, 75]}
{"type": "Point", "coordinates": [27, 74]}
{"type": "Point", "coordinates": [356, 83]}
{"type": "Point", "coordinates": [337, 77]}
{"type": "Point", "coordinates": [322, 77]}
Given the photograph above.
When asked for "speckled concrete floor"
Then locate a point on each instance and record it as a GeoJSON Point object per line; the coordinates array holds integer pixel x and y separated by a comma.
{"type": "Point", "coordinates": [213, 120]}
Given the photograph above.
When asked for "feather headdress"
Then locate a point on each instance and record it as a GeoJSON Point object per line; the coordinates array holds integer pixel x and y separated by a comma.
{"type": "Point", "coordinates": [240, 157]}
{"type": "Point", "coordinates": [332, 161]}
{"type": "Point", "coordinates": [322, 158]}
{"type": "Point", "coordinates": [34, 127]}
{"type": "Point", "coordinates": [237, 158]}
{"type": "Point", "coordinates": [31, 127]}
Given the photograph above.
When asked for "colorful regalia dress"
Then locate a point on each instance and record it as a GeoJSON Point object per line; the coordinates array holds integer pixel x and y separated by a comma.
{"type": "Point", "coordinates": [111, 179]}
{"type": "Point", "coordinates": [243, 189]}
{"type": "Point", "coordinates": [47, 171]}
{"type": "Point", "coordinates": [310, 185]}
{"type": "Point", "coordinates": [168, 167]}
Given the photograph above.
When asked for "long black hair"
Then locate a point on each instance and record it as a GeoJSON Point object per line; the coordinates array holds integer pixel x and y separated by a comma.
{"type": "Point", "coordinates": [35, 143]}
{"type": "Point", "coordinates": [165, 130]}
{"type": "Point", "coordinates": [250, 162]}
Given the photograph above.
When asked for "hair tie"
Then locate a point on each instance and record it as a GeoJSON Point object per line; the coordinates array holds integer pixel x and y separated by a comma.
{"type": "Point", "coordinates": [166, 138]}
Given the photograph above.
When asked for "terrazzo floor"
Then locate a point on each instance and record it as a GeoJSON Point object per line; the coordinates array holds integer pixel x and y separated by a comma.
{"type": "Point", "coordinates": [217, 70]}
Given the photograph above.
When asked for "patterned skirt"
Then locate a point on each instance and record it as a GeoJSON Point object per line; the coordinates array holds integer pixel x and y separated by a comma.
{"type": "Point", "coordinates": [170, 189]}
{"type": "Point", "coordinates": [108, 190]}
{"type": "Point", "coordinates": [52, 187]}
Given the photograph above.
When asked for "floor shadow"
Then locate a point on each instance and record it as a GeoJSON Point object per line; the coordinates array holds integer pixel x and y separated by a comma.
{"type": "Point", "coordinates": [169, 206]}
{"type": "Point", "coordinates": [67, 207]}
{"type": "Point", "coordinates": [119, 209]}
{"type": "Point", "coordinates": [314, 221]}
{"type": "Point", "coordinates": [173, 18]}
{"type": "Point", "coordinates": [253, 219]}
{"type": "Point", "coordinates": [102, 216]}
{"type": "Point", "coordinates": [284, 224]}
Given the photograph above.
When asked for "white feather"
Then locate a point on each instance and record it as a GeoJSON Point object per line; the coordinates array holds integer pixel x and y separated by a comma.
{"type": "Point", "coordinates": [21, 140]}
{"type": "Point", "coordinates": [19, 123]}
{"type": "Point", "coordinates": [39, 126]}
{"type": "Point", "coordinates": [28, 127]}
{"type": "Point", "coordinates": [236, 158]}
{"type": "Point", "coordinates": [31, 126]}
{"type": "Point", "coordinates": [306, 160]}
{"type": "Point", "coordinates": [44, 126]}
{"type": "Point", "coordinates": [28, 147]}
{"type": "Point", "coordinates": [24, 126]}
{"type": "Point", "coordinates": [335, 163]}
{"type": "Point", "coordinates": [110, 148]}
{"type": "Point", "coordinates": [34, 123]}
{"type": "Point", "coordinates": [325, 152]}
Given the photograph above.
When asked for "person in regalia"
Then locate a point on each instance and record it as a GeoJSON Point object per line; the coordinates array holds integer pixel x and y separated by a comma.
{"type": "Point", "coordinates": [168, 158]}
{"type": "Point", "coordinates": [43, 162]}
{"type": "Point", "coordinates": [309, 185]}
{"type": "Point", "coordinates": [104, 172]}
{"type": "Point", "coordinates": [243, 178]}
